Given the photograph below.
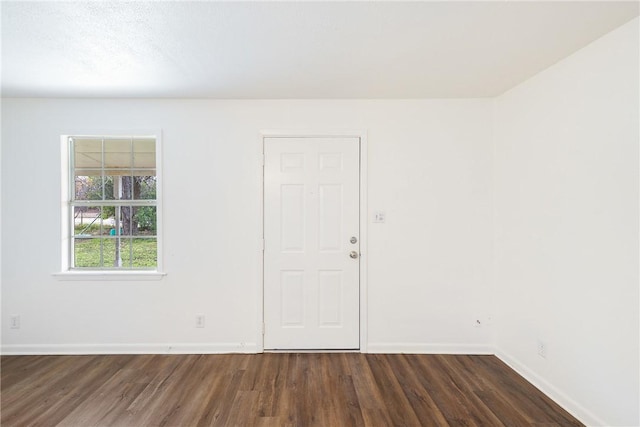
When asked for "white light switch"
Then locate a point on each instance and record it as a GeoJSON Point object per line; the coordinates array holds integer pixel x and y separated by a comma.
{"type": "Point", "coordinates": [379, 216]}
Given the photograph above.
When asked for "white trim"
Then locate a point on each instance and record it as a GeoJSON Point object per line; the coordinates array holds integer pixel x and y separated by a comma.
{"type": "Point", "coordinates": [65, 192]}
{"type": "Point", "coordinates": [364, 252]}
{"type": "Point", "coordinates": [102, 275]}
{"type": "Point", "coordinates": [65, 196]}
{"type": "Point", "coordinates": [362, 136]}
{"type": "Point", "coordinates": [137, 348]}
{"type": "Point", "coordinates": [159, 204]}
{"type": "Point", "coordinates": [425, 348]}
{"type": "Point", "coordinates": [275, 133]}
{"type": "Point", "coordinates": [559, 397]}
{"type": "Point", "coordinates": [260, 245]}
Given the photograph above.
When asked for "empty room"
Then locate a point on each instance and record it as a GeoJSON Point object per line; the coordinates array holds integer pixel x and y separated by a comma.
{"type": "Point", "coordinates": [320, 213]}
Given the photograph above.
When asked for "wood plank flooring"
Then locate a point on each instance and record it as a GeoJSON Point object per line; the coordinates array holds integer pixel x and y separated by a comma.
{"type": "Point", "coordinates": [271, 389]}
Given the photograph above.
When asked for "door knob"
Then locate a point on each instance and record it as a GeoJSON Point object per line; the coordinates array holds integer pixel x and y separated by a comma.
{"type": "Point", "coordinates": [353, 254]}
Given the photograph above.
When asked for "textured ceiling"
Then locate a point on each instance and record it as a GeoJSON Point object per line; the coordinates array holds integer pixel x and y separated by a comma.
{"type": "Point", "coordinates": [291, 49]}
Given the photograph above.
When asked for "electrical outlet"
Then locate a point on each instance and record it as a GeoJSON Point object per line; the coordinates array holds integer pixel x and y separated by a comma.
{"type": "Point", "coordinates": [542, 349]}
{"type": "Point", "coordinates": [199, 320]}
{"type": "Point", "coordinates": [15, 322]}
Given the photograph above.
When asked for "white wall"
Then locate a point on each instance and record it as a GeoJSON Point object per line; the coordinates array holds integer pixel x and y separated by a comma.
{"type": "Point", "coordinates": [429, 264]}
{"type": "Point", "coordinates": [566, 229]}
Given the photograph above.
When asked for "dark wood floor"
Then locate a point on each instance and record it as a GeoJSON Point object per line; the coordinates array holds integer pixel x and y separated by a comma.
{"type": "Point", "coordinates": [271, 390]}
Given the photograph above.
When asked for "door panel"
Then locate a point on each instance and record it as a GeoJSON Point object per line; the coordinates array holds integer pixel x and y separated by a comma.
{"type": "Point", "coordinates": [292, 288]}
{"type": "Point", "coordinates": [311, 212]}
{"type": "Point", "coordinates": [292, 216]}
{"type": "Point", "coordinates": [330, 298]}
{"type": "Point", "coordinates": [330, 218]}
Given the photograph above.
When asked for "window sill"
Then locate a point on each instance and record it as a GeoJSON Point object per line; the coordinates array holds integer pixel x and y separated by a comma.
{"type": "Point", "coordinates": [109, 275]}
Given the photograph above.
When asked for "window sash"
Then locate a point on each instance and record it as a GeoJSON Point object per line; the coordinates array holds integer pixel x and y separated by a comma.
{"type": "Point", "coordinates": [128, 251]}
{"type": "Point", "coordinates": [122, 238]}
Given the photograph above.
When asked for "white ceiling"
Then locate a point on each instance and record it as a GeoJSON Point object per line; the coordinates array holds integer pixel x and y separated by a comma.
{"type": "Point", "coordinates": [291, 49]}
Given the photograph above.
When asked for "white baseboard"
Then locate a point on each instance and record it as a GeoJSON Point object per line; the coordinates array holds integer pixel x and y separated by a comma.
{"type": "Point", "coordinates": [422, 348]}
{"type": "Point", "coordinates": [204, 348]}
{"type": "Point", "coordinates": [77, 349]}
{"type": "Point", "coordinates": [551, 391]}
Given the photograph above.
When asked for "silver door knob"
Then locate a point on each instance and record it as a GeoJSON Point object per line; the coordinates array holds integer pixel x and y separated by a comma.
{"type": "Point", "coordinates": [353, 254]}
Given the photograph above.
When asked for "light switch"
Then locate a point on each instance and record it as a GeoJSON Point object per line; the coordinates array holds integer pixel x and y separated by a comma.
{"type": "Point", "coordinates": [379, 216]}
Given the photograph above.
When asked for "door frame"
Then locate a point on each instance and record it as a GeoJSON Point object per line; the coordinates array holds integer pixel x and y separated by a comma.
{"type": "Point", "coordinates": [364, 254]}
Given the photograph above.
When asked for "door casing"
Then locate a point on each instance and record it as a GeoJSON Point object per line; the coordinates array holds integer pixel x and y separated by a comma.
{"type": "Point", "coordinates": [364, 255]}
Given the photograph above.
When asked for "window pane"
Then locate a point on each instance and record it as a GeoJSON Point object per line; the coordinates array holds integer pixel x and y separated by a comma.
{"type": "Point", "coordinates": [145, 253]}
{"type": "Point", "coordinates": [145, 187]}
{"type": "Point", "coordinates": [126, 221]}
{"type": "Point", "coordinates": [110, 187]}
{"type": "Point", "coordinates": [110, 252]}
{"type": "Point", "coordinates": [88, 187]}
{"type": "Point", "coordinates": [108, 221]}
{"type": "Point", "coordinates": [145, 221]}
{"type": "Point", "coordinates": [144, 155]}
{"type": "Point", "coordinates": [125, 253]}
{"type": "Point", "coordinates": [87, 252]}
{"type": "Point", "coordinates": [87, 153]}
{"type": "Point", "coordinates": [127, 184]}
{"type": "Point", "coordinates": [117, 154]}
{"type": "Point", "coordinates": [87, 221]}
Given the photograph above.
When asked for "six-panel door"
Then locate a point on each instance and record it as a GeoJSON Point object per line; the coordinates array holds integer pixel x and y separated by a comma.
{"type": "Point", "coordinates": [311, 230]}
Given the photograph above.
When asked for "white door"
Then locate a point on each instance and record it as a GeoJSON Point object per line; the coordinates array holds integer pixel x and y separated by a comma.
{"type": "Point", "coordinates": [311, 231]}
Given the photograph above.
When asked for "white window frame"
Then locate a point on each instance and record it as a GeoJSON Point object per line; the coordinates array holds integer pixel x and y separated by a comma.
{"type": "Point", "coordinates": [67, 182]}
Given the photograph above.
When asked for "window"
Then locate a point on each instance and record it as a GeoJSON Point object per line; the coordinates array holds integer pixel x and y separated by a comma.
{"type": "Point", "coordinates": [112, 211]}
